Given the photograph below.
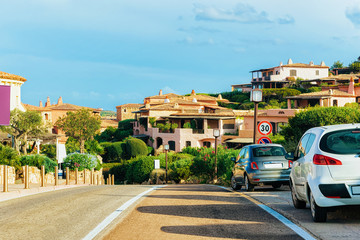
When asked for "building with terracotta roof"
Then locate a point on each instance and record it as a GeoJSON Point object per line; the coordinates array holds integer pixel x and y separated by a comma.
{"type": "Point", "coordinates": [327, 98]}
{"type": "Point", "coordinates": [15, 82]}
{"type": "Point", "coordinates": [201, 112]}
{"type": "Point", "coordinates": [52, 112]}
{"type": "Point", "coordinates": [125, 111]}
{"type": "Point", "coordinates": [283, 75]}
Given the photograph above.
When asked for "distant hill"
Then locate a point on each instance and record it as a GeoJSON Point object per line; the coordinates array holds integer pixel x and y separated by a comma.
{"type": "Point", "coordinates": [108, 113]}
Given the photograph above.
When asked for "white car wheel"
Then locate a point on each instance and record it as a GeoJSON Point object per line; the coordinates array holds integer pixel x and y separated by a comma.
{"type": "Point", "coordinates": [318, 214]}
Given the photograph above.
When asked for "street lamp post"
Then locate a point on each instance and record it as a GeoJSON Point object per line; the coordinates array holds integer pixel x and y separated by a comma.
{"type": "Point", "coordinates": [216, 134]}
{"type": "Point", "coordinates": [166, 161]}
{"type": "Point", "coordinates": [256, 97]}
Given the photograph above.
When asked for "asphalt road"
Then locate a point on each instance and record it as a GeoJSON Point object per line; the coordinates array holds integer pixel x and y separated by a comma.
{"type": "Point", "coordinates": [63, 214]}
{"type": "Point", "coordinates": [172, 212]}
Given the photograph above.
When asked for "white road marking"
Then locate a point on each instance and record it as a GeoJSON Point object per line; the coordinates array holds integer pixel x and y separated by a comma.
{"type": "Point", "coordinates": [288, 223]}
{"type": "Point", "coordinates": [116, 213]}
{"type": "Point", "coordinates": [298, 230]}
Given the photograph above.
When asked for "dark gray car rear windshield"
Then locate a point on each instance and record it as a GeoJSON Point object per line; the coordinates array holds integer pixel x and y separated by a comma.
{"type": "Point", "coordinates": [268, 151]}
{"type": "Point", "coordinates": [341, 142]}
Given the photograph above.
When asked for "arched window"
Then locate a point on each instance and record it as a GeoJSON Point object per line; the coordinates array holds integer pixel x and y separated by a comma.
{"type": "Point", "coordinates": [159, 142]}
{"type": "Point", "coordinates": [46, 116]}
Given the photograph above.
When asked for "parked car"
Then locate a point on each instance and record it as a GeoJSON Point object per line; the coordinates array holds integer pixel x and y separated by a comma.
{"type": "Point", "coordinates": [260, 164]}
{"type": "Point", "coordinates": [326, 170]}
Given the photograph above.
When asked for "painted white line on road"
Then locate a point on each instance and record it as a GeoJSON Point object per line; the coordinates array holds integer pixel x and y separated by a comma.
{"type": "Point", "coordinates": [298, 230]}
{"type": "Point", "coordinates": [288, 223]}
{"type": "Point", "coordinates": [116, 213]}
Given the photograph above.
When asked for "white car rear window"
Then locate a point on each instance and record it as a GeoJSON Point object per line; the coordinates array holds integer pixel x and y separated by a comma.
{"type": "Point", "coordinates": [341, 142]}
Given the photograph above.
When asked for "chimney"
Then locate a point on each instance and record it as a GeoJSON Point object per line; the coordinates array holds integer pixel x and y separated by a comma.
{"type": "Point", "coordinates": [220, 97]}
{"type": "Point", "coordinates": [311, 63]}
{"type": "Point", "coordinates": [60, 102]}
{"type": "Point", "coordinates": [194, 100]}
{"type": "Point", "coordinates": [290, 61]}
{"type": "Point", "coordinates": [147, 104]}
{"type": "Point", "coordinates": [167, 100]}
{"type": "Point", "coordinates": [281, 63]}
{"type": "Point", "coordinates": [160, 92]}
{"type": "Point", "coordinates": [193, 92]}
{"type": "Point", "coordinates": [48, 104]}
{"type": "Point", "coordinates": [322, 64]}
{"type": "Point", "coordinates": [351, 89]}
{"type": "Point", "coordinates": [40, 104]}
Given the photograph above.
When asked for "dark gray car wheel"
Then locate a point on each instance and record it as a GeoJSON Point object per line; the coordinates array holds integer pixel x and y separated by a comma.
{"type": "Point", "coordinates": [319, 214]}
{"type": "Point", "coordinates": [297, 203]}
{"type": "Point", "coordinates": [234, 184]}
{"type": "Point", "coordinates": [248, 186]}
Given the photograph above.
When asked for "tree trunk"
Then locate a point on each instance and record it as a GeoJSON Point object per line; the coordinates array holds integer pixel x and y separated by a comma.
{"type": "Point", "coordinates": [82, 146]}
{"type": "Point", "coordinates": [25, 144]}
{"type": "Point", "coordinates": [16, 143]}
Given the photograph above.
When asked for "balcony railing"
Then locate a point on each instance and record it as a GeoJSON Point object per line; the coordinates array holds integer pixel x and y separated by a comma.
{"type": "Point", "coordinates": [198, 131]}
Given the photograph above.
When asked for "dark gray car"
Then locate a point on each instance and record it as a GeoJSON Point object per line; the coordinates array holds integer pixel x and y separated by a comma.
{"type": "Point", "coordinates": [259, 164]}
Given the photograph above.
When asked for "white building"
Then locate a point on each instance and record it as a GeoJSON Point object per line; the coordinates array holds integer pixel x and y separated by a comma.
{"type": "Point", "coordinates": [276, 77]}
{"type": "Point", "coordinates": [15, 82]}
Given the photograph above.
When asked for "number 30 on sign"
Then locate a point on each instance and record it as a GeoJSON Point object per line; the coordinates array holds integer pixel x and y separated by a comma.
{"type": "Point", "coordinates": [265, 128]}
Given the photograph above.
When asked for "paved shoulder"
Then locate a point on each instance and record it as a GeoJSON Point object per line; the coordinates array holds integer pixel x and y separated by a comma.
{"type": "Point", "coordinates": [199, 212]}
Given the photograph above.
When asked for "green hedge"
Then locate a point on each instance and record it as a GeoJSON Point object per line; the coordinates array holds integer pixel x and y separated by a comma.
{"type": "Point", "coordinates": [139, 169]}
{"type": "Point", "coordinates": [135, 147]}
{"type": "Point", "coordinates": [38, 160]}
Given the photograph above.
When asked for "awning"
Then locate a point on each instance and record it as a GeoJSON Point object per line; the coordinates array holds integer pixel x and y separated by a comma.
{"type": "Point", "coordinates": [240, 140]}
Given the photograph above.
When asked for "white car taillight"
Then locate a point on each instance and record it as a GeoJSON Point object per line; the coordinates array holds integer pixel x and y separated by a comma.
{"type": "Point", "coordinates": [319, 159]}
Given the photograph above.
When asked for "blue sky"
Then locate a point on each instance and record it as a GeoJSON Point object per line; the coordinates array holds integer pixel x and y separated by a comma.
{"type": "Point", "coordinates": [107, 53]}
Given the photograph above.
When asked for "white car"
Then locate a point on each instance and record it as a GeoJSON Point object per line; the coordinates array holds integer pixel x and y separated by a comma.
{"type": "Point", "coordinates": [326, 169]}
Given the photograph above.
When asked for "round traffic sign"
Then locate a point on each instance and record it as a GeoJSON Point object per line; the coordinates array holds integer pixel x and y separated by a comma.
{"type": "Point", "coordinates": [264, 140]}
{"type": "Point", "coordinates": [264, 128]}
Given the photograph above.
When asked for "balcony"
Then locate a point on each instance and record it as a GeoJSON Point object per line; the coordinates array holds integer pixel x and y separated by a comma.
{"type": "Point", "coordinates": [198, 131]}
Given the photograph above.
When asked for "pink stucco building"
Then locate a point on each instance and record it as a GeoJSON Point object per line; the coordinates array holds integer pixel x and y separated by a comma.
{"type": "Point", "coordinates": [190, 120]}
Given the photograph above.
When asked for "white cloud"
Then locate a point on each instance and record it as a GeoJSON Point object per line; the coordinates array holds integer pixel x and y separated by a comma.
{"type": "Point", "coordinates": [353, 14]}
{"type": "Point", "coordinates": [168, 89]}
{"type": "Point", "coordinates": [242, 13]}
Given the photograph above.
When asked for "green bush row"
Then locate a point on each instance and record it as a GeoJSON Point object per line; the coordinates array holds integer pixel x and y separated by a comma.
{"type": "Point", "coordinates": [195, 163]}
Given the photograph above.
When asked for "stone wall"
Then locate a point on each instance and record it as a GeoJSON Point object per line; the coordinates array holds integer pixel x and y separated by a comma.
{"type": "Point", "coordinates": [35, 176]}
{"type": "Point", "coordinates": [11, 174]}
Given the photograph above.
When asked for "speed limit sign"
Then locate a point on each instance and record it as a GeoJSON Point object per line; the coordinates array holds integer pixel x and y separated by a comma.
{"type": "Point", "coordinates": [264, 128]}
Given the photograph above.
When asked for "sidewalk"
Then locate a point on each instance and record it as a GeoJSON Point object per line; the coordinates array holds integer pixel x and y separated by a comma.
{"type": "Point", "coordinates": [18, 190]}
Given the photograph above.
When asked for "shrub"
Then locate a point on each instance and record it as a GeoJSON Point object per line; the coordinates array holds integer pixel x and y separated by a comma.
{"type": "Point", "coordinates": [93, 147]}
{"type": "Point", "coordinates": [119, 171]}
{"type": "Point", "coordinates": [139, 169]}
{"type": "Point", "coordinates": [38, 160]}
{"type": "Point", "coordinates": [81, 161]}
{"type": "Point", "coordinates": [318, 116]}
{"type": "Point", "coordinates": [157, 174]}
{"type": "Point", "coordinates": [180, 170]}
{"type": "Point", "coordinates": [150, 150]}
{"type": "Point", "coordinates": [187, 125]}
{"type": "Point", "coordinates": [9, 156]}
{"type": "Point", "coordinates": [113, 152]}
{"type": "Point", "coordinates": [135, 147]}
{"type": "Point", "coordinates": [49, 150]}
